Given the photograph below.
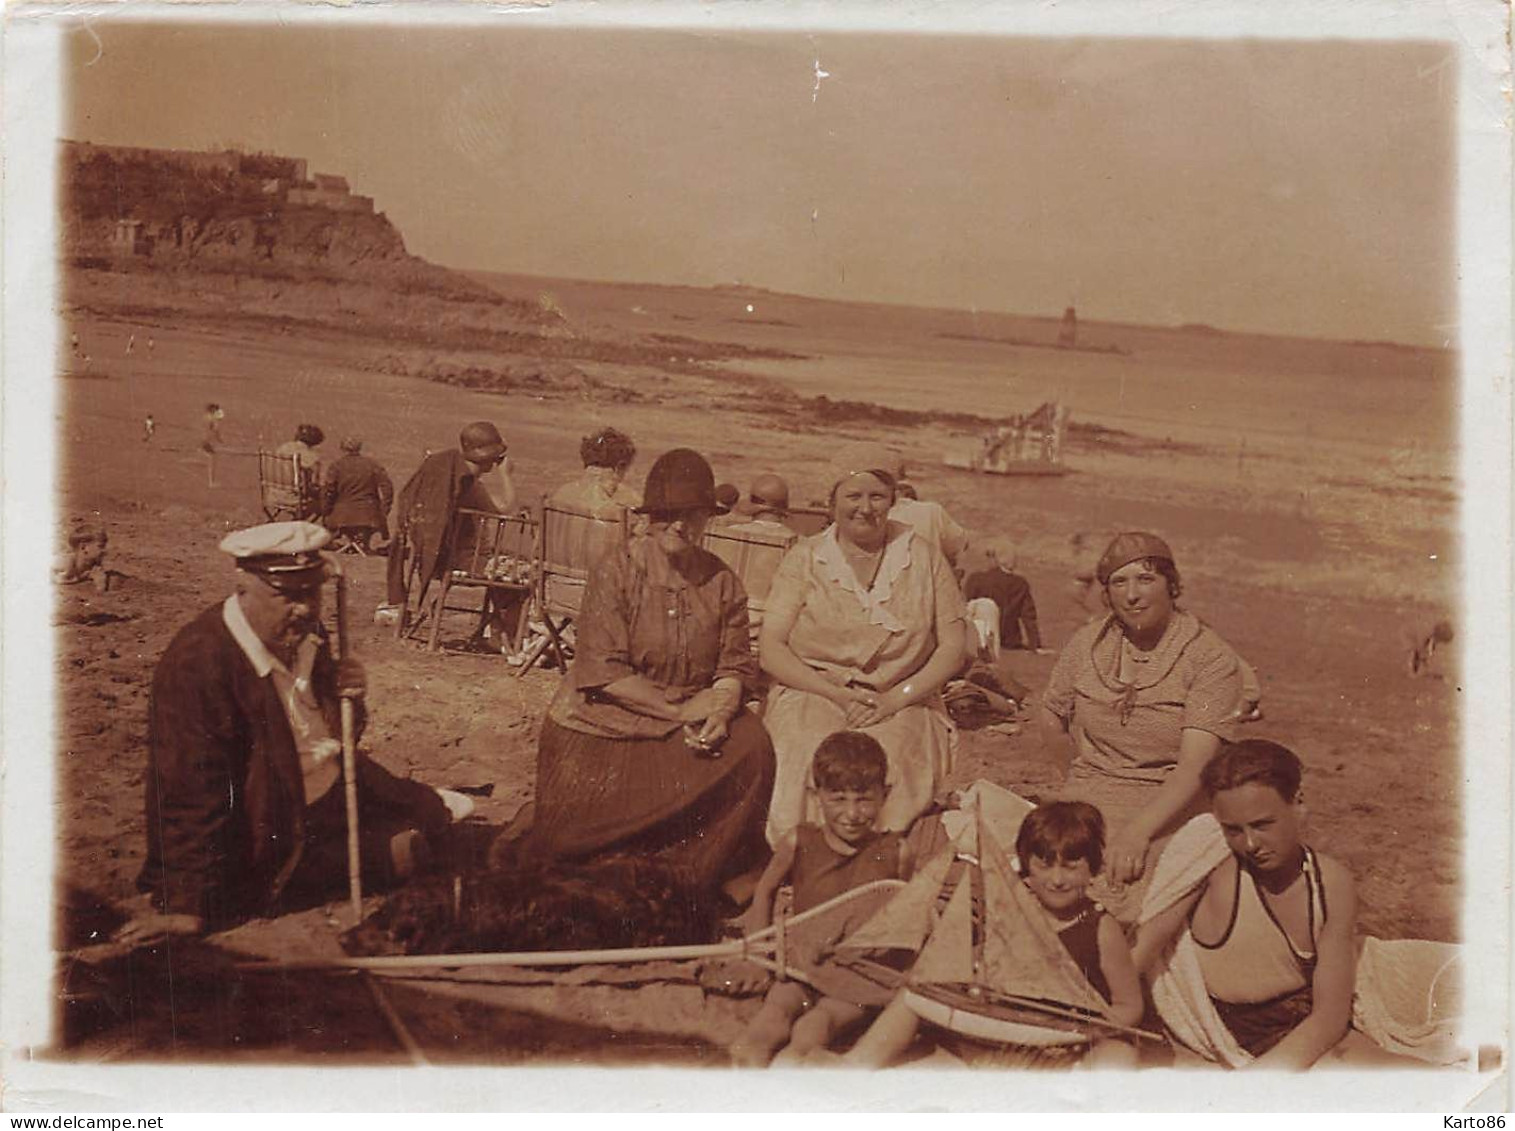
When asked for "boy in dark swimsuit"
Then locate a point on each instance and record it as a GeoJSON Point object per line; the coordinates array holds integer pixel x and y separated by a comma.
{"type": "Point", "coordinates": [1274, 924]}
{"type": "Point", "coordinates": [821, 862]}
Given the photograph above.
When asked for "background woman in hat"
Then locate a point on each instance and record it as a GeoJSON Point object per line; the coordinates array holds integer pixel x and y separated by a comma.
{"type": "Point", "coordinates": [865, 623]}
{"type": "Point", "coordinates": [1141, 699]}
{"type": "Point", "coordinates": [646, 746]}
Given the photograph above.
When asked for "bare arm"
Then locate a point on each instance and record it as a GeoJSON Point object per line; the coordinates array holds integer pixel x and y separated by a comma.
{"type": "Point", "coordinates": [780, 661]}
{"type": "Point", "coordinates": [1056, 740]}
{"type": "Point", "coordinates": [1153, 936]}
{"type": "Point", "coordinates": [760, 913]}
{"type": "Point", "coordinates": [1335, 975]}
{"type": "Point", "coordinates": [1128, 851]}
{"type": "Point", "coordinates": [945, 662]}
{"type": "Point", "coordinates": [1116, 964]}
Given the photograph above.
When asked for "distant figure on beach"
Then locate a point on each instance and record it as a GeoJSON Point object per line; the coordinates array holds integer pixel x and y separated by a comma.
{"type": "Point", "coordinates": [149, 428]}
{"type": "Point", "coordinates": [131, 344]}
{"type": "Point", "coordinates": [1425, 643]}
{"type": "Point", "coordinates": [211, 443]}
{"type": "Point", "coordinates": [73, 344]}
{"type": "Point", "coordinates": [150, 343]}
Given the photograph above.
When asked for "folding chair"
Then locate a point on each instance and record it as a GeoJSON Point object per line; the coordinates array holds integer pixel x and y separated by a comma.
{"type": "Point", "coordinates": [494, 553]}
{"type": "Point", "coordinates": [357, 540]}
{"type": "Point", "coordinates": [569, 543]}
{"type": "Point", "coordinates": [754, 557]}
{"type": "Point", "coordinates": [286, 489]}
{"type": "Point", "coordinates": [805, 521]}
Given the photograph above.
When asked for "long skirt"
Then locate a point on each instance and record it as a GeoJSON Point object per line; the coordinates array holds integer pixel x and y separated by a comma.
{"type": "Point", "coordinates": [654, 796]}
{"type": "Point", "coordinates": [1120, 800]}
{"type": "Point", "coordinates": [918, 741]}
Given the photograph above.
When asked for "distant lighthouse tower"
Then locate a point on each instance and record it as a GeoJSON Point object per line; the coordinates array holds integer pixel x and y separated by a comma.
{"type": "Point", "coordinates": [1067, 333]}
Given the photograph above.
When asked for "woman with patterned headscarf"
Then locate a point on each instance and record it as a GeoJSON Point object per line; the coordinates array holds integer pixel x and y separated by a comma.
{"type": "Point", "coordinates": [1141, 698]}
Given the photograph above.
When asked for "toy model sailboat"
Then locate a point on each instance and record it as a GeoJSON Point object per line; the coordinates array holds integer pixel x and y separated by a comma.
{"type": "Point", "coordinates": [991, 967]}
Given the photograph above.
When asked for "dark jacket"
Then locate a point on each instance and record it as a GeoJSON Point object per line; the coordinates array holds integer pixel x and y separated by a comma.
{"type": "Point", "coordinates": [1012, 593]}
{"type": "Point", "coordinates": [225, 797]}
{"type": "Point", "coordinates": [358, 494]}
{"type": "Point", "coordinates": [423, 518]}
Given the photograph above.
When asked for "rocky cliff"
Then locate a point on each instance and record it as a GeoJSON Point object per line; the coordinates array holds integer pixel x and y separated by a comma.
{"type": "Point", "coordinates": [136, 210]}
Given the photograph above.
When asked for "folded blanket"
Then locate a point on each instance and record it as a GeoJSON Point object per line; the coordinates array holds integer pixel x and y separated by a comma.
{"type": "Point", "coordinates": [1406, 996]}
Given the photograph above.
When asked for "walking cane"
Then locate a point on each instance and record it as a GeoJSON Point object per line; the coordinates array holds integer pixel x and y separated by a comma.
{"type": "Point", "coordinates": [349, 756]}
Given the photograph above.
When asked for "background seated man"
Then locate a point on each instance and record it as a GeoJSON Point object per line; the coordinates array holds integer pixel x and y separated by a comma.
{"type": "Point", "coordinates": [1011, 594]}
{"type": "Point", "coordinates": [243, 783]}
{"type": "Point", "coordinates": [358, 495]}
{"type": "Point", "coordinates": [1274, 923]}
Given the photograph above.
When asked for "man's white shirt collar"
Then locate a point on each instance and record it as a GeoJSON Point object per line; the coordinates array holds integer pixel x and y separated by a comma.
{"type": "Point", "coordinates": [257, 653]}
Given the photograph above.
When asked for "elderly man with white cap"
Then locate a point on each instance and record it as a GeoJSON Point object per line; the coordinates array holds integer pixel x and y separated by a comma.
{"type": "Point", "coordinates": [243, 783]}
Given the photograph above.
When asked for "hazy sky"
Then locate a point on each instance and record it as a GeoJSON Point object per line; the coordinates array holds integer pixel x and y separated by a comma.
{"type": "Point", "coordinates": [1286, 187]}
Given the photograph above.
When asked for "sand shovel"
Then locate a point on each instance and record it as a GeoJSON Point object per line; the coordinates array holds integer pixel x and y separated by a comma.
{"type": "Point", "coordinates": [349, 755]}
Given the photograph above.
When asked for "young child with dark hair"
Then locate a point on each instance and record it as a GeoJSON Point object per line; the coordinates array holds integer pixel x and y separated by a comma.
{"type": "Point", "coordinates": [821, 862]}
{"type": "Point", "coordinates": [1060, 848]}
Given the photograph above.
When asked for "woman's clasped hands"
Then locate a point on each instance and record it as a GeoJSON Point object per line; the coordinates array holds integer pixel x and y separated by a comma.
{"type": "Point", "coordinates": [706, 716]}
{"type": "Point", "coordinates": [865, 707]}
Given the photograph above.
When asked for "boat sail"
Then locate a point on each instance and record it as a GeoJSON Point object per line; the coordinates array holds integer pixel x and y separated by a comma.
{"type": "Point", "coordinates": [990, 965]}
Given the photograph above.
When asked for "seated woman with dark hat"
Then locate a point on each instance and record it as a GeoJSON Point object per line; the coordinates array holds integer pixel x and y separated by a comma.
{"type": "Point", "coordinates": [646, 746]}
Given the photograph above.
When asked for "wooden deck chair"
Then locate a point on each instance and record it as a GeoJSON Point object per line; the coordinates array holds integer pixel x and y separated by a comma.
{"type": "Point", "coordinates": [805, 521]}
{"type": "Point", "coordinates": [754, 557]}
{"type": "Point", "coordinates": [286, 489]}
{"type": "Point", "coordinates": [493, 553]}
{"type": "Point", "coordinates": [569, 543]}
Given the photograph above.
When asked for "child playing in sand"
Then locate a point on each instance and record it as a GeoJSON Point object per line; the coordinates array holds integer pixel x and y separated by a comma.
{"type": "Point", "coordinates": [85, 557]}
{"type": "Point", "coordinates": [822, 861]}
{"type": "Point", "coordinates": [1060, 848]}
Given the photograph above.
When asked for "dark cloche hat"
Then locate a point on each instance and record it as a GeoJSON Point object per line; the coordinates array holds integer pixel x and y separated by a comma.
{"type": "Point", "coordinates": [768, 492]}
{"type": "Point", "coordinates": [680, 480]}
{"type": "Point", "coordinates": [481, 442]}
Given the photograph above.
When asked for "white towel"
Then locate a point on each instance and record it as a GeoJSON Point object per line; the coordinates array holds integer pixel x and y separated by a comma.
{"type": "Point", "coordinates": [983, 615]}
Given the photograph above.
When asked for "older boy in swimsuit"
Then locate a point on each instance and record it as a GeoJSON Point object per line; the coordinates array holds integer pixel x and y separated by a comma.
{"type": "Point", "coordinates": [1274, 923]}
{"type": "Point", "coordinates": [821, 862]}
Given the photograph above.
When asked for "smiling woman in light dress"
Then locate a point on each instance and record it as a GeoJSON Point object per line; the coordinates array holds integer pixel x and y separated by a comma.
{"type": "Point", "coordinates": [864, 624]}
